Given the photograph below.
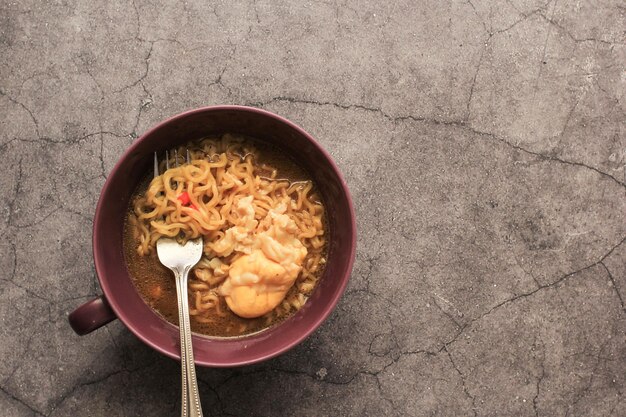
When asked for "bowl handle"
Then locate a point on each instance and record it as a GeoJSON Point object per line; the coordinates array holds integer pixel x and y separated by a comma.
{"type": "Point", "coordinates": [91, 316]}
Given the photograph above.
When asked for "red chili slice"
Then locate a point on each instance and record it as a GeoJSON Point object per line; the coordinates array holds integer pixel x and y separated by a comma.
{"type": "Point", "coordinates": [184, 198]}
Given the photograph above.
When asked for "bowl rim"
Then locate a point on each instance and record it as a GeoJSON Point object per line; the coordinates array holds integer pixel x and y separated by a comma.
{"type": "Point", "coordinates": [97, 242]}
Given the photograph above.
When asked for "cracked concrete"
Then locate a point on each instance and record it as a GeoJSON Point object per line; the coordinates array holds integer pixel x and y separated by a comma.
{"type": "Point", "coordinates": [485, 147]}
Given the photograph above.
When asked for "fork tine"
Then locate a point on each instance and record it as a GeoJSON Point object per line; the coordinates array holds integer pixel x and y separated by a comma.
{"type": "Point", "coordinates": [188, 156]}
{"type": "Point", "coordinates": [156, 165]}
{"type": "Point", "coordinates": [167, 160]}
{"type": "Point", "coordinates": [176, 158]}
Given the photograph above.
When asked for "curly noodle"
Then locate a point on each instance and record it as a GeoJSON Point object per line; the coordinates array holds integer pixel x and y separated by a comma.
{"type": "Point", "coordinates": [220, 173]}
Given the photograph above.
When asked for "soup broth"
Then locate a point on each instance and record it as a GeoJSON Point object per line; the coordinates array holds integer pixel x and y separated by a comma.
{"type": "Point", "coordinates": [293, 203]}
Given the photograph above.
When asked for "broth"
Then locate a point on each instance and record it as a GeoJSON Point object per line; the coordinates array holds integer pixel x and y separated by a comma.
{"type": "Point", "coordinates": [156, 285]}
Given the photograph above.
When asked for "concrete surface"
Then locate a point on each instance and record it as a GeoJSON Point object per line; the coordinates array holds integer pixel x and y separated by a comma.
{"type": "Point", "coordinates": [484, 143]}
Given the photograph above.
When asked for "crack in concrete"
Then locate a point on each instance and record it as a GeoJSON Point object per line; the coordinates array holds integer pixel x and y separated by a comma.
{"type": "Point", "coordinates": [589, 383]}
{"type": "Point", "coordinates": [98, 86]}
{"type": "Point", "coordinates": [529, 273]}
{"type": "Point", "coordinates": [543, 54]}
{"type": "Point", "coordinates": [487, 31]}
{"type": "Point", "coordinates": [550, 285]}
{"type": "Point", "coordinates": [437, 122]}
{"type": "Point", "coordinates": [329, 381]}
{"type": "Point", "coordinates": [256, 12]}
{"type": "Point", "coordinates": [471, 92]}
{"type": "Point", "coordinates": [36, 222]}
{"type": "Point", "coordinates": [542, 374]}
{"type": "Point", "coordinates": [461, 124]}
{"type": "Point", "coordinates": [570, 113]}
{"type": "Point", "coordinates": [52, 141]}
{"type": "Point", "coordinates": [20, 361]}
{"type": "Point", "coordinates": [34, 75]}
{"type": "Point", "coordinates": [218, 81]}
{"type": "Point", "coordinates": [513, 6]}
{"type": "Point", "coordinates": [31, 293]}
{"type": "Point", "coordinates": [215, 392]}
{"type": "Point", "coordinates": [137, 20]}
{"type": "Point", "coordinates": [79, 385]}
{"type": "Point", "coordinates": [34, 294]}
{"type": "Point", "coordinates": [147, 67]}
{"type": "Point", "coordinates": [447, 314]}
{"type": "Point", "coordinates": [454, 338]}
{"type": "Point", "coordinates": [103, 173]}
{"type": "Point", "coordinates": [380, 354]}
{"type": "Point", "coordinates": [344, 382]}
{"type": "Point", "coordinates": [573, 38]}
{"type": "Point", "coordinates": [23, 106]}
{"type": "Point", "coordinates": [371, 263]}
{"type": "Point", "coordinates": [525, 16]}
{"type": "Point", "coordinates": [607, 93]}
{"type": "Point", "coordinates": [614, 285]}
{"type": "Point", "coordinates": [82, 384]}
{"type": "Point", "coordinates": [539, 380]}
{"type": "Point", "coordinates": [146, 101]}
{"type": "Point", "coordinates": [446, 345]}
{"type": "Point", "coordinates": [550, 157]}
{"type": "Point", "coordinates": [79, 214]}
{"type": "Point", "coordinates": [16, 191]}
{"type": "Point", "coordinates": [465, 389]}
{"type": "Point", "coordinates": [21, 401]}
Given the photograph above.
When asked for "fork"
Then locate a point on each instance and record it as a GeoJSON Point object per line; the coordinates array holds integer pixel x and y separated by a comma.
{"type": "Point", "coordinates": [180, 259]}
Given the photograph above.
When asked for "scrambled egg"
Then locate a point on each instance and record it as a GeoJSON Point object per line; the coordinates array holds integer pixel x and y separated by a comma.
{"type": "Point", "coordinates": [241, 236]}
{"type": "Point", "coordinates": [259, 280]}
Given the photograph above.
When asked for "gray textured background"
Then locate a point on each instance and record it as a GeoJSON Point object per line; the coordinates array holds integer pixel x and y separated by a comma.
{"type": "Point", "coordinates": [484, 144]}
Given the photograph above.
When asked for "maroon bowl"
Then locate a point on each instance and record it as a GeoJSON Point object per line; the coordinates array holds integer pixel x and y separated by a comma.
{"type": "Point", "coordinates": [121, 299]}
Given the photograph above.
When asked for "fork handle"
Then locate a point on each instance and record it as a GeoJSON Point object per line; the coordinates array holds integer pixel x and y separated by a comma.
{"type": "Point", "coordinates": [190, 399]}
{"type": "Point", "coordinates": [184, 399]}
